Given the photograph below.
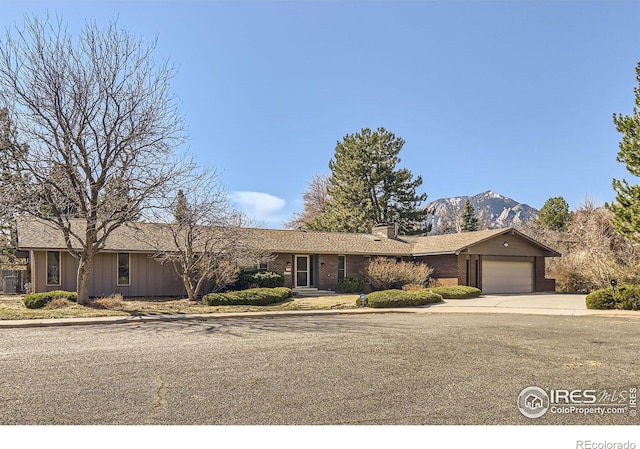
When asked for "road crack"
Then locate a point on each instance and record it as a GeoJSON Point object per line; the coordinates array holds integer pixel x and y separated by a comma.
{"type": "Point", "coordinates": [160, 398]}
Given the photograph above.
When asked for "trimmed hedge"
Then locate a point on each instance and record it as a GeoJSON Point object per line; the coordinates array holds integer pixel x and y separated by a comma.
{"type": "Point", "coordinates": [350, 285]}
{"type": "Point", "coordinates": [627, 298]}
{"type": "Point", "coordinates": [401, 298]}
{"type": "Point", "coordinates": [39, 300]}
{"type": "Point", "coordinates": [250, 297]}
{"type": "Point", "coordinates": [457, 292]}
{"type": "Point", "coordinates": [255, 278]}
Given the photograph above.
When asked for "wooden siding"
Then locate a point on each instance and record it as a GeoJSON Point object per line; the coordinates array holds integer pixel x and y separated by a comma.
{"type": "Point", "coordinates": [517, 246]}
{"type": "Point", "coordinates": [148, 277]}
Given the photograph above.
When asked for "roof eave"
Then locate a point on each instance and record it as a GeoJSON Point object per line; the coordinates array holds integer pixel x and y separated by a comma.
{"type": "Point", "coordinates": [436, 253]}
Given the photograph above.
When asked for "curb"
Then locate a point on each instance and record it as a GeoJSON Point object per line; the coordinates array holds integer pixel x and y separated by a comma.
{"type": "Point", "coordinates": [431, 309]}
{"type": "Point", "coordinates": [57, 322]}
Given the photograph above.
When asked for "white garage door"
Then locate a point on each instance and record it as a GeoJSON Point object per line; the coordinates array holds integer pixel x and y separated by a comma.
{"type": "Point", "coordinates": [507, 277]}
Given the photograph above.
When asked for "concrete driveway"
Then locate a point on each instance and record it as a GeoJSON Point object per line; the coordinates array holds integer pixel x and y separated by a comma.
{"type": "Point", "coordinates": [535, 303]}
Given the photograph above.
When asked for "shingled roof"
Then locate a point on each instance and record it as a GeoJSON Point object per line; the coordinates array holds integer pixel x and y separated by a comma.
{"type": "Point", "coordinates": [457, 243]}
{"type": "Point", "coordinates": [144, 237]}
{"type": "Point", "coordinates": [34, 234]}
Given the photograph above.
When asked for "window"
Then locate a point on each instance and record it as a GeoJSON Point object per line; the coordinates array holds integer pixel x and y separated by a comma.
{"type": "Point", "coordinates": [53, 267]}
{"type": "Point", "coordinates": [123, 269]}
{"type": "Point", "coordinates": [342, 267]}
{"type": "Point", "coordinates": [263, 266]}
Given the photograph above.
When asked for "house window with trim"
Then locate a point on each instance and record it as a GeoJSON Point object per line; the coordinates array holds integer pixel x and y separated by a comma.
{"type": "Point", "coordinates": [342, 267]}
{"type": "Point", "coordinates": [124, 261]}
{"type": "Point", "coordinates": [53, 267]}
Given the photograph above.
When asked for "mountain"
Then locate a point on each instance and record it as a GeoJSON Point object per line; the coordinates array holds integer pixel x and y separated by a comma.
{"type": "Point", "coordinates": [492, 210]}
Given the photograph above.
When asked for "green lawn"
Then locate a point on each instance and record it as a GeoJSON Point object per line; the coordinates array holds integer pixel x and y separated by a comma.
{"type": "Point", "coordinates": [12, 308]}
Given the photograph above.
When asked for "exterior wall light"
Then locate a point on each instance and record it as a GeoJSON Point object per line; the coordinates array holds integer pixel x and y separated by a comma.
{"type": "Point", "coordinates": [505, 244]}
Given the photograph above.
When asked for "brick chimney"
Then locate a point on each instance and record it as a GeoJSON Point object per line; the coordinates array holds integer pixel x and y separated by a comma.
{"type": "Point", "coordinates": [384, 230]}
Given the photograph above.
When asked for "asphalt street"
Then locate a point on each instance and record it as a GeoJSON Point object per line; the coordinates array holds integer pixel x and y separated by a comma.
{"type": "Point", "coordinates": [353, 369]}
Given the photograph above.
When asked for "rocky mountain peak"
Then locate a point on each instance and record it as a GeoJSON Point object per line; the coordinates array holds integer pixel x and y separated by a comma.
{"type": "Point", "coordinates": [493, 210]}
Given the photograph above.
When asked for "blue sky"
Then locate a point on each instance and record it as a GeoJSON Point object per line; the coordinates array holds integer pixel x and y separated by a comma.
{"type": "Point", "coordinates": [516, 97]}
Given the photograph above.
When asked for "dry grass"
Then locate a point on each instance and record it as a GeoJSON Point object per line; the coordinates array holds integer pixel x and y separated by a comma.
{"type": "Point", "coordinates": [59, 303]}
{"type": "Point", "coordinates": [412, 287]}
{"type": "Point", "coordinates": [114, 302]}
{"type": "Point", "coordinates": [12, 308]}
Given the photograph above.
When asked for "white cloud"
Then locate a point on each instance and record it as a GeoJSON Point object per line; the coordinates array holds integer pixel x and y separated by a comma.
{"type": "Point", "coordinates": [261, 206]}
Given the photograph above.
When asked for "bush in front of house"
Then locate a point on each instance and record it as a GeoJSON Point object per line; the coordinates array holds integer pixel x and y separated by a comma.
{"type": "Point", "coordinates": [350, 285]}
{"type": "Point", "coordinates": [249, 297]}
{"type": "Point", "coordinates": [627, 297]}
{"type": "Point", "coordinates": [386, 273]}
{"type": "Point", "coordinates": [254, 278]}
{"type": "Point", "coordinates": [457, 292]}
{"type": "Point", "coordinates": [268, 279]}
{"type": "Point", "coordinates": [39, 300]}
{"type": "Point", "coordinates": [401, 298]}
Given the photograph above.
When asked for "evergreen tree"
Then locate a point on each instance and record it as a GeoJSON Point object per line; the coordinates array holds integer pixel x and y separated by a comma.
{"type": "Point", "coordinates": [626, 208]}
{"type": "Point", "coordinates": [554, 215]}
{"type": "Point", "coordinates": [367, 188]}
{"type": "Point", "coordinates": [181, 211]}
{"type": "Point", "coordinates": [469, 221]}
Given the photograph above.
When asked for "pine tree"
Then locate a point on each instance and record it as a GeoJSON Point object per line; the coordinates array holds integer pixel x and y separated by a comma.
{"type": "Point", "coordinates": [367, 188]}
{"type": "Point", "coordinates": [554, 215]}
{"type": "Point", "coordinates": [468, 218]}
{"type": "Point", "coordinates": [626, 208]}
{"type": "Point", "coordinates": [181, 213]}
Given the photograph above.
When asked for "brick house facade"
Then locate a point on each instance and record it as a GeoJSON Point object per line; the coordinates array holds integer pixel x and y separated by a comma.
{"type": "Point", "coordinates": [496, 261]}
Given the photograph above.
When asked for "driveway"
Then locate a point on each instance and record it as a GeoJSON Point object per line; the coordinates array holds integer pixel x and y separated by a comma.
{"type": "Point", "coordinates": [536, 304]}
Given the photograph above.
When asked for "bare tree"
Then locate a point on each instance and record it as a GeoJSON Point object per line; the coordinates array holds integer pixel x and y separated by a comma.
{"type": "Point", "coordinates": [593, 252]}
{"type": "Point", "coordinates": [8, 145]}
{"type": "Point", "coordinates": [100, 124]}
{"type": "Point", "coordinates": [315, 202]}
{"type": "Point", "coordinates": [202, 236]}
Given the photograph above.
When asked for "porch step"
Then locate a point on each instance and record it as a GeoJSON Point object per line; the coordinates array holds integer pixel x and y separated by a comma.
{"type": "Point", "coordinates": [309, 291]}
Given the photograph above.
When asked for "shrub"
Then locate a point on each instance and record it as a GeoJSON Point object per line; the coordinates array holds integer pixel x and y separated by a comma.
{"type": "Point", "coordinates": [249, 297]}
{"type": "Point", "coordinates": [255, 278]}
{"type": "Point", "coordinates": [400, 298]}
{"type": "Point", "coordinates": [627, 298]}
{"type": "Point", "coordinates": [385, 273]}
{"type": "Point", "coordinates": [269, 279]}
{"type": "Point", "coordinates": [39, 300]}
{"type": "Point", "coordinates": [350, 285]}
{"type": "Point", "coordinates": [457, 292]}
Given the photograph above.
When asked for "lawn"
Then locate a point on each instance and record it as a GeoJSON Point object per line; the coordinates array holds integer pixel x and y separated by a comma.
{"type": "Point", "coordinates": [12, 308]}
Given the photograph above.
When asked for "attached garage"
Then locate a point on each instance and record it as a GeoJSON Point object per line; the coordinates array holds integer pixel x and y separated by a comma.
{"type": "Point", "coordinates": [503, 276]}
{"type": "Point", "coordinates": [495, 261]}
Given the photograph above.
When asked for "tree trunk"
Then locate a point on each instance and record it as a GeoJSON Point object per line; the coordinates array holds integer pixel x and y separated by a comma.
{"type": "Point", "coordinates": [186, 280]}
{"type": "Point", "coordinates": [84, 268]}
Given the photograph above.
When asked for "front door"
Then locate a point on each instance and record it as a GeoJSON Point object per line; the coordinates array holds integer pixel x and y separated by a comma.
{"type": "Point", "coordinates": [302, 271]}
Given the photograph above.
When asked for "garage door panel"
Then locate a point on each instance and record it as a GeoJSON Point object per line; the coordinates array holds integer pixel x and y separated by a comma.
{"type": "Point", "coordinates": [507, 276]}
